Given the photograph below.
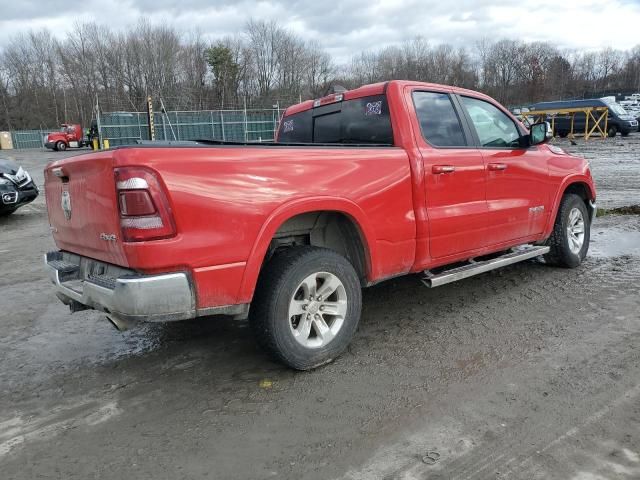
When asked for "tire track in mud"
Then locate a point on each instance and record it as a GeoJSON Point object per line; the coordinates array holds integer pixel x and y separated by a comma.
{"type": "Point", "coordinates": [508, 453]}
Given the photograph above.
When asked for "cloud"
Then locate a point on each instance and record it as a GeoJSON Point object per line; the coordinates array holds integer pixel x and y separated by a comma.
{"type": "Point", "coordinates": [349, 26]}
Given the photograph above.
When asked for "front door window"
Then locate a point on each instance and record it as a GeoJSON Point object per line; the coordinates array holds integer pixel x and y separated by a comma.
{"type": "Point", "coordinates": [495, 129]}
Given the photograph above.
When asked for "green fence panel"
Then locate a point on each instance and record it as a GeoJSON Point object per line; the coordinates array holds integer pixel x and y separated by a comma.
{"type": "Point", "coordinates": [126, 128]}
{"type": "Point", "coordinates": [29, 138]}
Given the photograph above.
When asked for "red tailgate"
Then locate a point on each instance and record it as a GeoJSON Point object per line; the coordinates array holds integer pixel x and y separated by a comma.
{"type": "Point", "coordinates": [83, 212]}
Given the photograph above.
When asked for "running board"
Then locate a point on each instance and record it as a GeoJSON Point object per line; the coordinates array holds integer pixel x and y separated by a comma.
{"type": "Point", "coordinates": [474, 268]}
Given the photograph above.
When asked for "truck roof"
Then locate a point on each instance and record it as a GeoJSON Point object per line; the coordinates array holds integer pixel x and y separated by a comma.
{"type": "Point", "coordinates": [373, 89]}
{"type": "Point", "coordinates": [587, 102]}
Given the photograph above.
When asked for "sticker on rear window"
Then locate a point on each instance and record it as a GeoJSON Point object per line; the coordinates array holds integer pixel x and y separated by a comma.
{"type": "Point", "coordinates": [374, 108]}
{"type": "Point", "coordinates": [288, 126]}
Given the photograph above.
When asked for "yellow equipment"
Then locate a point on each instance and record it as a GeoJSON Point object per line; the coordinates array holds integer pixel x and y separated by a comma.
{"type": "Point", "coordinates": [589, 112]}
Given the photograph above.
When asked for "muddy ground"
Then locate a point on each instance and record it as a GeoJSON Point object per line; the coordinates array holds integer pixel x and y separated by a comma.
{"type": "Point", "coordinates": [529, 372]}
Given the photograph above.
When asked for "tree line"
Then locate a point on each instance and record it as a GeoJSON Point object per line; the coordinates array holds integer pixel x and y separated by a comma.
{"type": "Point", "coordinates": [45, 81]}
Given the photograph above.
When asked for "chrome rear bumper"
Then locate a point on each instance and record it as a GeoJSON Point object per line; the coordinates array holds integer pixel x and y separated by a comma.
{"type": "Point", "coordinates": [123, 294]}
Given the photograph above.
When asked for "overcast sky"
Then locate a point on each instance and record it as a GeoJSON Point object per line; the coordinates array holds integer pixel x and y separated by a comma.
{"type": "Point", "coordinates": [344, 27]}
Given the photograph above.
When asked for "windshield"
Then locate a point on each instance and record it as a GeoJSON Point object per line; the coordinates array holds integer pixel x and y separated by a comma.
{"type": "Point", "coordinates": [616, 108]}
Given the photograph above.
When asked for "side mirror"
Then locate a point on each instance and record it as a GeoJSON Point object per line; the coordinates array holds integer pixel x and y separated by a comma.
{"type": "Point", "coordinates": [538, 133]}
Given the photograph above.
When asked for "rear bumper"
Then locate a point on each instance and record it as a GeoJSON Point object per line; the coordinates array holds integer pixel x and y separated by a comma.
{"type": "Point", "coordinates": [84, 283]}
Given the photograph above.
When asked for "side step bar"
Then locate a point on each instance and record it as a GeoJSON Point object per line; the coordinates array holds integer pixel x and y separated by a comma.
{"type": "Point", "coordinates": [474, 268]}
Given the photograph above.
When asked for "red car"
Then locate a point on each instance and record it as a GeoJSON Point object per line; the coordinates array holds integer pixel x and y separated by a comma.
{"type": "Point", "coordinates": [361, 186]}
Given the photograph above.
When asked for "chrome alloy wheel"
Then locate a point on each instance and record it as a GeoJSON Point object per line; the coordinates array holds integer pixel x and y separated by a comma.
{"type": "Point", "coordinates": [317, 310]}
{"type": "Point", "coordinates": [575, 230]}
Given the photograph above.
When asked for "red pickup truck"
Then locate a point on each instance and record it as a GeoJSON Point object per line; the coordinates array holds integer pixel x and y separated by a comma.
{"type": "Point", "coordinates": [361, 186]}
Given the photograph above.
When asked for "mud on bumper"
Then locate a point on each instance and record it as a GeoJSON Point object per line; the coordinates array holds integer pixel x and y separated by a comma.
{"type": "Point", "coordinates": [84, 283]}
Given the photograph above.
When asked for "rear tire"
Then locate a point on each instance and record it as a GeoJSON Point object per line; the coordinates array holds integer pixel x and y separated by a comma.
{"type": "Point", "coordinates": [306, 306]}
{"type": "Point", "coordinates": [61, 146]}
{"type": "Point", "coordinates": [569, 240]}
{"type": "Point", "coordinates": [6, 213]}
{"type": "Point", "coordinates": [563, 134]}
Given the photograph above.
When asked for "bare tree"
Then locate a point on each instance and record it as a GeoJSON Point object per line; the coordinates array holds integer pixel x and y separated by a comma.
{"type": "Point", "coordinates": [45, 81]}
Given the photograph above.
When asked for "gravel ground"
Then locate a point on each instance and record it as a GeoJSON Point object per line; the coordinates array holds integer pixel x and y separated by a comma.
{"type": "Point", "coordinates": [528, 372]}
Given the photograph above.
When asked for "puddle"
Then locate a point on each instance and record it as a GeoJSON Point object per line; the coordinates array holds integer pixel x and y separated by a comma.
{"type": "Point", "coordinates": [613, 242]}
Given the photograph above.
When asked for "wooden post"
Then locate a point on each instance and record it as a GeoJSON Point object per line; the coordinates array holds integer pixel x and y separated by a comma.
{"type": "Point", "coordinates": [586, 124]}
{"type": "Point", "coordinates": [152, 127]}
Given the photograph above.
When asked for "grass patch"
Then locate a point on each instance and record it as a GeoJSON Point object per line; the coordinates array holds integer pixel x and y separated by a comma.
{"type": "Point", "coordinates": [626, 210]}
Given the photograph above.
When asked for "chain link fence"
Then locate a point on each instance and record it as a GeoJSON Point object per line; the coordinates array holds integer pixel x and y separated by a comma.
{"type": "Point", "coordinates": [126, 128]}
{"type": "Point", "coordinates": [256, 125]}
{"type": "Point", "coordinates": [29, 138]}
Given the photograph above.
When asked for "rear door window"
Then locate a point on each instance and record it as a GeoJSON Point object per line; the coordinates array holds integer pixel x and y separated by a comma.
{"type": "Point", "coordinates": [359, 121]}
{"type": "Point", "coordinates": [440, 124]}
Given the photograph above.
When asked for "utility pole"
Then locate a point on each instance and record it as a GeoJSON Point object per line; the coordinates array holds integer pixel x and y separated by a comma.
{"type": "Point", "coordinates": [246, 137]}
{"type": "Point", "coordinates": [98, 124]}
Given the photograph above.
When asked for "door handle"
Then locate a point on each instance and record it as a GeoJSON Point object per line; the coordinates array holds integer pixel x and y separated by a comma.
{"type": "Point", "coordinates": [443, 169]}
{"type": "Point", "coordinates": [497, 166]}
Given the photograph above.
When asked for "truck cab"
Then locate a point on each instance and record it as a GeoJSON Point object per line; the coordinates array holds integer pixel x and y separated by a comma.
{"type": "Point", "coordinates": [69, 136]}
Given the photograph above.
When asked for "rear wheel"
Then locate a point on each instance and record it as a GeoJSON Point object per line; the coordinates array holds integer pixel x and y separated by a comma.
{"type": "Point", "coordinates": [6, 213]}
{"type": "Point", "coordinates": [569, 240]}
{"type": "Point", "coordinates": [306, 306]}
{"type": "Point", "coordinates": [563, 134]}
{"type": "Point", "coordinates": [61, 146]}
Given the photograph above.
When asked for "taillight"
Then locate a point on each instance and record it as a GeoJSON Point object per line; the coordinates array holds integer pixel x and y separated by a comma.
{"type": "Point", "coordinates": [135, 203]}
{"type": "Point", "coordinates": [145, 213]}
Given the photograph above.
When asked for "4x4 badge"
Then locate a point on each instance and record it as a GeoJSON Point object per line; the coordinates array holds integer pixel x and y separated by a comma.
{"type": "Point", "coordinates": [65, 201]}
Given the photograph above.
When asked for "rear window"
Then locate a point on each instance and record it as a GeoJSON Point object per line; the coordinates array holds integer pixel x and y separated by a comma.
{"type": "Point", "coordinates": [362, 120]}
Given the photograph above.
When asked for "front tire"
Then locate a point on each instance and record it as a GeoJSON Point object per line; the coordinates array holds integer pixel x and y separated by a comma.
{"type": "Point", "coordinates": [61, 146]}
{"type": "Point", "coordinates": [306, 307]}
{"type": "Point", "coordinates": [611, 132]}
{"type": "Point", "coordinates": [569, 240]}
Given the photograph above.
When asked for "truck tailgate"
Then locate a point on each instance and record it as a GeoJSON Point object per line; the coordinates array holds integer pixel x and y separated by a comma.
{"type": "Point", "coordinates": [82, 206]}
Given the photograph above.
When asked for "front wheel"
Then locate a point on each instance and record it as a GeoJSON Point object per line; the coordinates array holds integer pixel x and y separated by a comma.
{"type": "Point", "coordinates": [611, 132]}
{"type": "Point", "coordinates": [569, 240]}
{"type": "Point", "coordinates": [61, 146]}
{"type": "Point", "coordinates": [306, 306]}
